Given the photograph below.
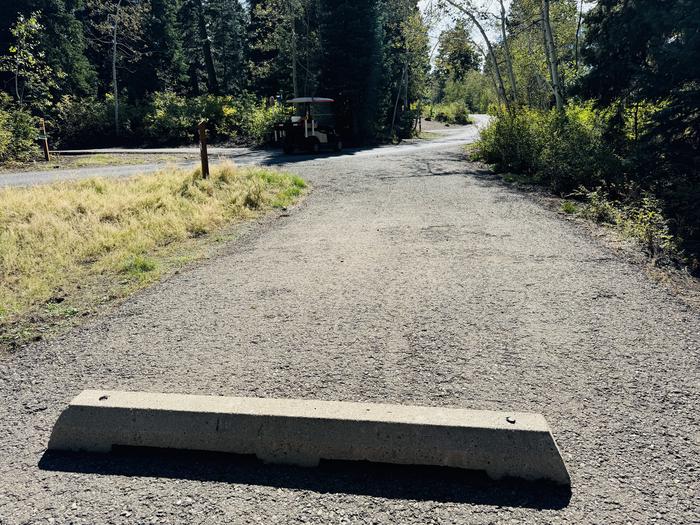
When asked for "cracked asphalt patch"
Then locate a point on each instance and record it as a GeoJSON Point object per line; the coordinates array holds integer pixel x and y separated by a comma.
{"type": "Point", "coordinates": [402, 279]}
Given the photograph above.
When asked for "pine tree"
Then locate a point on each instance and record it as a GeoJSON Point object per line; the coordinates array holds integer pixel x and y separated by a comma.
{"type": "Point", "coordinates": [63, 41]}
{"type": "Point", "coordinates": [351, 66]}
{"type": "Point", "coordinates": [162, 65]}
{"type": "Point", "coordinates": [228, 35]}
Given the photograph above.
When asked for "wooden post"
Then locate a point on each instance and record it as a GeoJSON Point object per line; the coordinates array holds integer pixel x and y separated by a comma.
{"type": "Point", "coordinates": [203, 148]}
{"type": "Point", "coordinates": [44, 140]}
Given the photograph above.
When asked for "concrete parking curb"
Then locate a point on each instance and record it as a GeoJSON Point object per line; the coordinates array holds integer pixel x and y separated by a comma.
{"type": "Point", "coordinates": [301, 432]}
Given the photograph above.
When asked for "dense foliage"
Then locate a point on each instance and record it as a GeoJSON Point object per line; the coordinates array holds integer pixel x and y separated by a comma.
{"type": "Point", "coordinates": [105, 72]}
{"type": "Point", "coordinates": [603, 106]}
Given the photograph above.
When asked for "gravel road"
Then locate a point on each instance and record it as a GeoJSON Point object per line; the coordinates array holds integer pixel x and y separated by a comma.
{"type": "Point", "coordinates": [268, 157]}
{"type": "Point", "coordinates": [411, 278]}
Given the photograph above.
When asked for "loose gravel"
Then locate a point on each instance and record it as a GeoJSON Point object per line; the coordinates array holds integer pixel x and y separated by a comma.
{"type": "Point", "coordinates": [413, 279]}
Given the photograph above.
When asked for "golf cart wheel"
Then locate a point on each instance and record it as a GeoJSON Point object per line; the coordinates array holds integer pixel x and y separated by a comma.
{"type": "Point", "coordinates": [313, 145]}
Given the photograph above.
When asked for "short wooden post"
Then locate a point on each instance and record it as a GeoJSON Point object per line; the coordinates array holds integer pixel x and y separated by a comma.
{"type": "Point", "coordinates": [44, 139]}
{"type": "Point", "coordinates": [203, 148]}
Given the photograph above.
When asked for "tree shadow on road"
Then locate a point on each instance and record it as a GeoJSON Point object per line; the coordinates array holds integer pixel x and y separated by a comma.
{"type": "Point", "coordinates": [360, 478]}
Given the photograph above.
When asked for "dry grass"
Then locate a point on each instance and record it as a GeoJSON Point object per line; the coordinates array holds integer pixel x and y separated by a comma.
{"type": "Point", "coordinates": [95, 160]}
{"type": "Point", "coordinates": [54, 237]}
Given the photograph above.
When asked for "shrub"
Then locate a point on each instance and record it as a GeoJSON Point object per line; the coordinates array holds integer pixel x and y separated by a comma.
{"type": "Point", "coordinates": [569, 207]}
{"type": "Point", "coordinates": [645, 221]}
{"type": "Point", "coordinates": [172, 119]}
{"type": "Point", "coordinates": [449, 113]}
{"type": "Point", "coordinates": [259, 119]}
{"type": "Point", "coordinates": [89, 122]}
{"type": "Point", "coordinates": [5, 133]}
{"type": "Point", "coordinates": [564, 150]}
{"type": "Point", "coordinates": [82, 121]}
{"type": "Point", "coordinates": [18, 132]}
{"type": "Point", "coordinates": [511, 143]}
{"type": "Point", "coordinates": [641, 218]}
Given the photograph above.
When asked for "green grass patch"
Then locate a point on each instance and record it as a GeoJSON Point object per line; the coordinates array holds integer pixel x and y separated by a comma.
{"type": "Point", "coordinates": [430, 135]}
{"type": "Point", "coordinates": [138, 265]}
{"type": "Point", "coordinates": [58, 241]}
{"type": "Point", "coordinates": [640, 219]}
{"type": "Point", "coordinates": [96, 160]}
{"type": "Point", "coordinates": [569, 207]}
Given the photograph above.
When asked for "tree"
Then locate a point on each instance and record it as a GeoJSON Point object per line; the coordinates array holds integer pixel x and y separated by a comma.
{"type": "Point", "coordinates": [506, 51]}
{"type": "Point", "coordinates": [456, 56]}
{"type": "Point", "coordinates": [530, 53]}
{"type": "Point", "coordinates": [61, 40]}
{"type": "Point", "coordinates": [404, 65]}
{"type": "Point", "coordinates": [351, 64]}
{"type": "Point", "coordinates": [551, 54]}
{"type": "Point", "coordinates": [228, 33]}
{"type": "Point", "coordinates": [161, 64]}
{"type": "Point", "coordinates": [473, 15]}
{"type": "Point", "coordinates": [31, 75]}
{"type": "Point", "coordinates": [116, 30]}
{"type": "Point", "coordinates": [284, 46]}
{"type": "Point", "coordinates": [646, 52]}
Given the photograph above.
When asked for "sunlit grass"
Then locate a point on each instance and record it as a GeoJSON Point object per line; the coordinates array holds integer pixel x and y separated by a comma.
{"type": "Point", "coordinates": [55, 236]}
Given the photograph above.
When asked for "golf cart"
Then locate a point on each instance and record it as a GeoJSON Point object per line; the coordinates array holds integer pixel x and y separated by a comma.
{"type": "Point", "coordinates": [311, 128]}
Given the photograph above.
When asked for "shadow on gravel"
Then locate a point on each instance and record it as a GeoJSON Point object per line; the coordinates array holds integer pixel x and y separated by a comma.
{"type": "Point", "coordinates": [361, 478]}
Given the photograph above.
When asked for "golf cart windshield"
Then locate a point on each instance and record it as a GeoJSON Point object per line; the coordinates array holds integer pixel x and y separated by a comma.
{"type": "Point", "coordinates": [318, 108]}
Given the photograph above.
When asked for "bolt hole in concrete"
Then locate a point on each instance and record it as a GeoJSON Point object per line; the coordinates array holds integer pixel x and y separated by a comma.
{"type": "Point", "coordinates": [418, 483]}
{"type": "Point", "coordinates": [104, 398]}
{"type": "Point", "coordinates": [511, 420]}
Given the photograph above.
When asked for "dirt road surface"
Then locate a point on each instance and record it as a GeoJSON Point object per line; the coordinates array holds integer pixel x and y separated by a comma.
{"type": "Point", "coordinates": [408, 277]}
{"type": "Point", "coordinates": [269, 157]}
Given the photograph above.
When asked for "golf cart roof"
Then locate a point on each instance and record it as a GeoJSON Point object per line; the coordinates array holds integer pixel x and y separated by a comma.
{"type": "Point", "coordinates": [311, 100]}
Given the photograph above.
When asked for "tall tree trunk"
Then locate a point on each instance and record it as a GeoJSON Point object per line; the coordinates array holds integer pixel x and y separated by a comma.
{"type": "Point", "coordinates": [486, 57]}
{"type": "Point", "coordinates": [497, 69]}
{"type": "Point", "coordinates": [578, 34]}
{"type": "Point", "coordinates": [506, 51]}
{"type": "Point", "coordinates": [212, 83]}
{"type": "Point", "coordinates": [398, 96]}
{"type": "Point", "coordinates": [295, 76]}
{"type": "Point", "coordinates": [194, 79]}
{"type": "Point", "coordinates": [17, 92]}
{"type": "Point", "coordinates": [115, 86]}
{"type": "Point", "coordinates": [551, 52]}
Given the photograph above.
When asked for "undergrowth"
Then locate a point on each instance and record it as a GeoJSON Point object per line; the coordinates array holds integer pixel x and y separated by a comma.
{"type": "Point", "coordinates": [569, 152]}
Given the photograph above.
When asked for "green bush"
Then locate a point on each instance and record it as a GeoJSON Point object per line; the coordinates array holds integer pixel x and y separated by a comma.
{"type": "Point", "coordinates": [511, 143]}
{"type": "Point", "coordinates": [640, 218]}
{"type": "Point", "coordinates": [167, 118]}
{"type": "Point", "coordinates": [82, 121]}
{"type": "Point", "coordinates": [173, 119]}
{"type": "Point", "coordinates": [18, 132]}
{"type": "Point", "coordinates": [564, 150]}
{"type": "Point", "coordinates": [5, 134]}
{"type": "Point", "coordinates": [259, 119]}
{"type": "Point", "coordinates": [89, 122]}
{"type": "Point", "coordinates": [449, 113]}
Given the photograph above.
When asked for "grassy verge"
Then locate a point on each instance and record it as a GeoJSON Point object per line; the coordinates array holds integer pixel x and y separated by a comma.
{"type": "Point", "coordinates": [65, 248]}
{"type": "Point", "coordinates": [641, 220]}
{"type": "Point", "coordinates": [431, 135]}
{"type": "Point", "coordinates": [568, 152]}
{"type": "Point", "coordinates": [93, 161]}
